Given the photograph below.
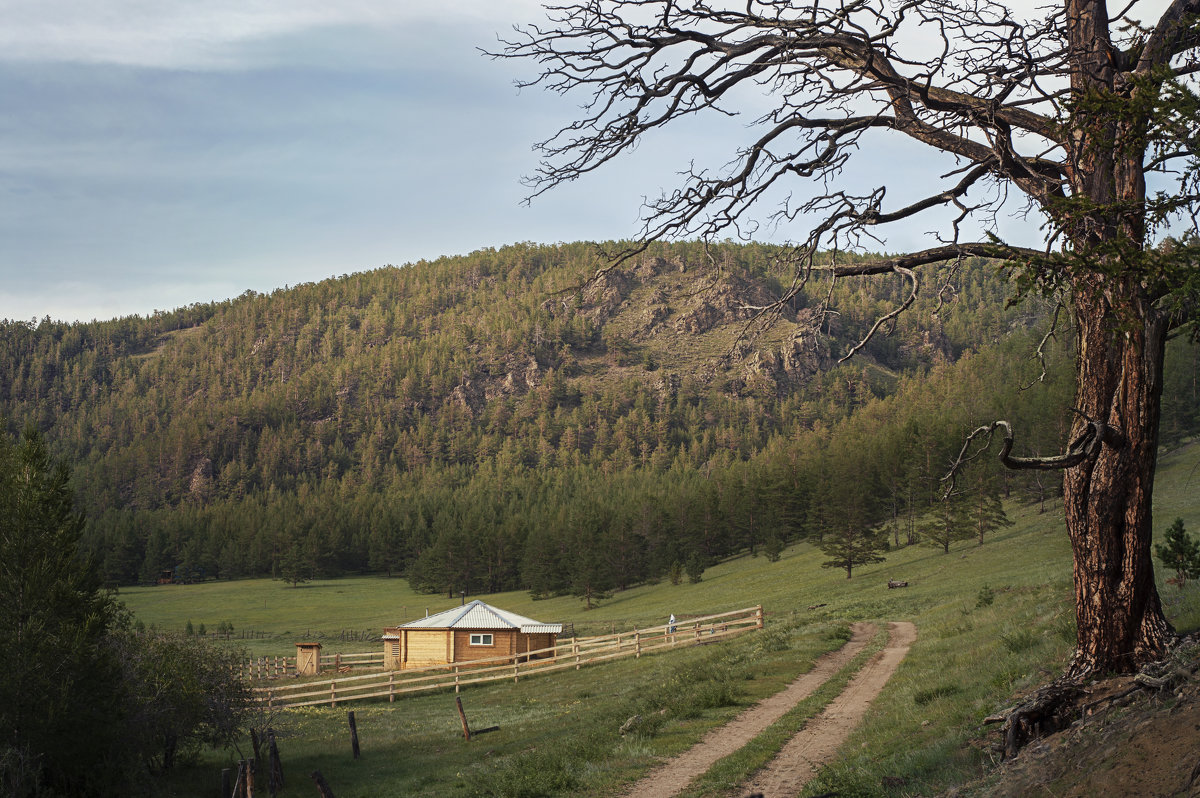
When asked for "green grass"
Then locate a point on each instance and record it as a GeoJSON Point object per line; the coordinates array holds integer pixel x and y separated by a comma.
{"type": "Point", "coordinates": [559, 734]}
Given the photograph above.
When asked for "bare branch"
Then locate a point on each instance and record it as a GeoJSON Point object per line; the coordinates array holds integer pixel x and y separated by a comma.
{"type": "Point", "coordinates": [911, 298]}
{"type": "Point", "coordinates": [1040, 353]}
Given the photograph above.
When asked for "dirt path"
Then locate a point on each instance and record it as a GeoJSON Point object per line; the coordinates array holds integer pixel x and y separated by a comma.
{"type": "Point", "coordinates": [671, 777]}
{"type": "Point", "coordinates": [817, 743]}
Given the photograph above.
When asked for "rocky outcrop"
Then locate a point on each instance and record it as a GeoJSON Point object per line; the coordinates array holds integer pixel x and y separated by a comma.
{"type": "Point", "coordinates": [201, 484]}
{"type": "Point", "coordinates": [794, 363]}
{"type": "Point", "coordinates": [729, 299]}
{"type": "Point", "coordinates": [605, 294]}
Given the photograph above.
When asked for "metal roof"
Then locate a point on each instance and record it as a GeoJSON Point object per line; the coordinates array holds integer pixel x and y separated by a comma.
{"type": "Point", "coordinates": [478, 615]}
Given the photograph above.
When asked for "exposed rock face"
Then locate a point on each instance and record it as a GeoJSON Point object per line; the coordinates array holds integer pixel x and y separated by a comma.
{"type": "Point", "coordinates": [649, 306]}
{"type": "Point", "coordinates": [652, 318]}
{"type": "Point", "coordinates": [650, 268]}
{"type": "Point", "coordinates": [796, 362]}
{"type": "Point", "coordinates": [732, 298]}
{"type": "Point", "coordinates": [200, 486]}
{"type": "Point", "coordinates": [605, 294]}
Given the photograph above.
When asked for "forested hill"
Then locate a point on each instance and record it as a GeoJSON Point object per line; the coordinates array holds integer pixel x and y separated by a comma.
{"type": "Point", "coordinates": [497, 420]}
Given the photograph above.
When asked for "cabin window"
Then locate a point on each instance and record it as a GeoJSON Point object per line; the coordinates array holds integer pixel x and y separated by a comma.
{"type": "Point", "coordinates": [481, 640]}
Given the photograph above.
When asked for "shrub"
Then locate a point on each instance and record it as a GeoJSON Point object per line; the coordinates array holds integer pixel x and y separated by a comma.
{"type": "Point", "coordinates": [923, 697]}
{"type": "Point", "coordinates": [182, 694]}
{"type": "Point", "coordinates": [1019, 640]}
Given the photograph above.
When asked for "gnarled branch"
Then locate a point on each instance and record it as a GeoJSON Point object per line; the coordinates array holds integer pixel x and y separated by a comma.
{"type": "Point", "coordinates": [1085, 447]}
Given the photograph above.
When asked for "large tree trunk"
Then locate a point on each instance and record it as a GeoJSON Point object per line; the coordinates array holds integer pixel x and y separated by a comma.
{"type": "Point", "coordinates": [1108, 500]}
{"type": "Point", "coordinates": [1121, 339]}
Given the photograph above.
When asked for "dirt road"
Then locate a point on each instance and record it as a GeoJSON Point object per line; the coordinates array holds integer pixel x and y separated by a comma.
{"type": "Point", "coordinates": [815, 745]}
{"type": "Point", "coordinates": [671, 777]}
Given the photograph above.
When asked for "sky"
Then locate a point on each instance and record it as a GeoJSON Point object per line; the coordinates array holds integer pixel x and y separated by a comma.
{"type": "Point", "coordinates": [157, 153]}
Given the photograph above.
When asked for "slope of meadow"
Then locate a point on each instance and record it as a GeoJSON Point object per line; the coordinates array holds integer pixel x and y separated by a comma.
{"type": "Point", "coordinates": [993, 620]}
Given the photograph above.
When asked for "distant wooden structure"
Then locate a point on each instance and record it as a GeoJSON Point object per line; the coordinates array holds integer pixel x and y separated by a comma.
{"type": "Point", "coordinates": [308, 659]}
{"type": "Point", "coordinates": [474, 631]}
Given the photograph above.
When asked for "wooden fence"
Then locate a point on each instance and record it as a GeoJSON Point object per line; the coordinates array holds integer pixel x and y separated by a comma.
{"type": "Point", "coordinates": [574, 653]}
{"type": "Point", "coordinates": [276, 667]}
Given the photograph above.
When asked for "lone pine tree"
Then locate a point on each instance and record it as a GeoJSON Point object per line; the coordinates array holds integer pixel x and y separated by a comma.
{"type": "Point", "coordinates": [1070, 106]}
{"type": "Point", "coordinates": [1179, 552]}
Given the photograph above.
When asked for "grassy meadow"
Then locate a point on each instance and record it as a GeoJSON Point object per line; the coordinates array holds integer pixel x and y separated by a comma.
{"type": "Point", "coordinates": [992, 620]}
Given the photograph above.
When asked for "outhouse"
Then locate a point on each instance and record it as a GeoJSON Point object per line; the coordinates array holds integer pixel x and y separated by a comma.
{"type": "Point", "coordinates": [471, 632]}
{"type": "Point", "coordinates": [308, 659]}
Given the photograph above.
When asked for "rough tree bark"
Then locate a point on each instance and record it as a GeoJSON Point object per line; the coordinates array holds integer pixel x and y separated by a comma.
{"type": "Point", "coordinates": [1067, 105]}
{"type": "Point", "coordinates": [1121, 342]}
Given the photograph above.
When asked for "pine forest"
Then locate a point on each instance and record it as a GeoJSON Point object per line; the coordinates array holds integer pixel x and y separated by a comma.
{"type": "Point", "coordinates": [523, 418]}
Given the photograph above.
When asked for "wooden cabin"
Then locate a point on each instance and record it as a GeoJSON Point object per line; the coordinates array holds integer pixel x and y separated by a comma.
{"type": "Point", "coordinates": [471, 632]}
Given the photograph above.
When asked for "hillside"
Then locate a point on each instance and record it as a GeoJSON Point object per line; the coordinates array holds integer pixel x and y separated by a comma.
{"type": "Point", "coordinates": [495, 421]}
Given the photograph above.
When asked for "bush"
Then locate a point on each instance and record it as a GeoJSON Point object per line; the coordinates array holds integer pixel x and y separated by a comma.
{"type": "Point", "coordinates": [840, 632]}
{"type": "Point", "coordinates": [1019, 640]}
{"type": "Point", "coordinates": [182, 694]}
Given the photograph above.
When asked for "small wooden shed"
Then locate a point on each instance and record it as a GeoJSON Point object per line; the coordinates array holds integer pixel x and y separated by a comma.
{"type": "Point", "coordinates": [471, 632]}
{"type": "Point", "coordinates": [308, 659]}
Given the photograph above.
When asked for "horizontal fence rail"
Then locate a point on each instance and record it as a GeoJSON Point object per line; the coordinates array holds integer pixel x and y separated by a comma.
{"type": "Point", "coordinates": [277, 667]}
{"type": "Point", "coordinates": [573, 653]}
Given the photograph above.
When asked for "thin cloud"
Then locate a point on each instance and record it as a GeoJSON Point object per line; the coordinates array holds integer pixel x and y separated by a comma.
{"type": "Point", "coordinates": [214, 34]}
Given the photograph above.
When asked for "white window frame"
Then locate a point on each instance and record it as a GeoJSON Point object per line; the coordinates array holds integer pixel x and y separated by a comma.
{"type": "Point", "coordinates": [481, 639]}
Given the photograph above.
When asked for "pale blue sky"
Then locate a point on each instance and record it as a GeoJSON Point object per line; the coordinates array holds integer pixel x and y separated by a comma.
{"type": "Point", "coordinates": [155, 153]}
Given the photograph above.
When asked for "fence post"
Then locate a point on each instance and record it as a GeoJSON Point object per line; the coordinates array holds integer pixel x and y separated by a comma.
{"type": "Point", "coordinates": [333, 694]}
{"type": "Point", "coordinates": [758, 617]}
{"type": "Point", "coordinates": [637, 644]}
{"type": "Point", "coordinates": [249, 778]}
{"type": "Point", "coordinates": [392, 688]}
{"type": "Point", "coordinates": [456, 678]}
{"type": "Point", "coordinates": [463, 717]}
{"type": "Point", "coordinates": [575, 649]}
{"type": "Point", "coordinates": [516, 665]}
{"type": "Point", "coordinates": [353, 734]}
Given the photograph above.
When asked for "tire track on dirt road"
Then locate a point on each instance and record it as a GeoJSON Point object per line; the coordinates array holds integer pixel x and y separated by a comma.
{"type": "Point", "coordinates": [817, 743]}
{"type": "Point", "coordinates": [672, 776]}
